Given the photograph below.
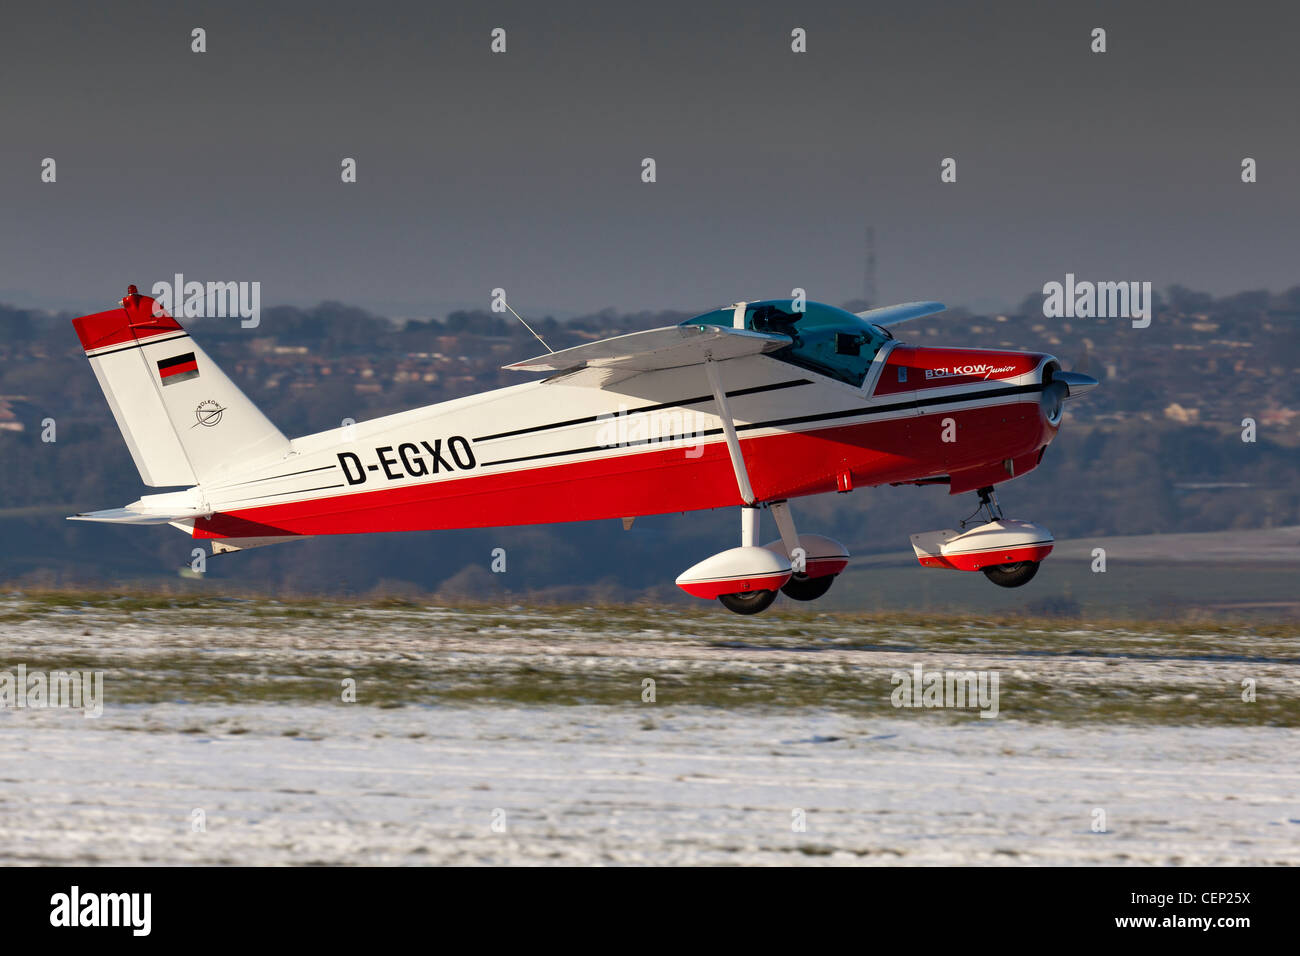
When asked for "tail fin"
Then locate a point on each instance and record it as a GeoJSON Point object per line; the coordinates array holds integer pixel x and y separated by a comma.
{"type": "Point", "coordinates": [182, 419]}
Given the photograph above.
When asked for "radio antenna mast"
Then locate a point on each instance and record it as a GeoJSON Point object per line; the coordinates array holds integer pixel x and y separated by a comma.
{"type": "Point", "coordinates": [526, 325]}
{"type": "Point", "coordinates": [869, 272]}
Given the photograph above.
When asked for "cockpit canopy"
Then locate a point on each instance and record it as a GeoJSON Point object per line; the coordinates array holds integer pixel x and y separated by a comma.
{"type": "Point", "coordinates": [826, 340]}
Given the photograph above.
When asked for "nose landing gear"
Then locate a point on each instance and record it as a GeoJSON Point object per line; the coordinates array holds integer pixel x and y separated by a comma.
{"type": "Point", "coordinates": [1012, 575]}
{"type": "Point", "coordinates": [1008, 551]}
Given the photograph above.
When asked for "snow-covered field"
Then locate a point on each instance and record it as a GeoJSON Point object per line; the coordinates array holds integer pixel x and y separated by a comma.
{"type": "Point", "coordinates": [522, 737]}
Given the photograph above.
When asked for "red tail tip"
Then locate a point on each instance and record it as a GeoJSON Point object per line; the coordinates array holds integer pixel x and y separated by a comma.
{"type": "Point", "coordinates": [139, 318]}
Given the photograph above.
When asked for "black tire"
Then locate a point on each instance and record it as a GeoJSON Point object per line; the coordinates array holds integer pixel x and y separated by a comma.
{"type": "Point", "coordinates": [807, 589]}
{"type": "Point", "coordinates": [1012, 575]}
{"type": "Point", "coordinates": [748, 602]}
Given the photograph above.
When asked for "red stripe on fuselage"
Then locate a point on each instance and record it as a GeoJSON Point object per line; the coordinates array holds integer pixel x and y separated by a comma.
{"type": "Point", "coordinates": [660, 481]}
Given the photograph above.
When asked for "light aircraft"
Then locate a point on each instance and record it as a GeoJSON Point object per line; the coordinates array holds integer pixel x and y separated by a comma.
{"type": "Point", "coordinates": [746, 406]}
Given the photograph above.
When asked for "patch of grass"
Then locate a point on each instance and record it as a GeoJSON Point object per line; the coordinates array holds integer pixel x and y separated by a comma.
{"type": "Point", "coordinates": [402, 653]}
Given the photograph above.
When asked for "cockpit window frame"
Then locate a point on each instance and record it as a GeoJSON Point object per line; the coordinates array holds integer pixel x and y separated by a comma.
{"type": "Point", "coordinates": [812, 329]}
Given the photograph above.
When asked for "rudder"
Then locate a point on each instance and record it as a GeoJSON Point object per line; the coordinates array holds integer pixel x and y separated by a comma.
{"type": "Point", "coordinates": [184, 421]}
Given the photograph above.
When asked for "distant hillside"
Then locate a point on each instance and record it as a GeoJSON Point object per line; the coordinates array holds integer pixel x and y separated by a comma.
{"type": "Point", "coordinates": [1156, 450]}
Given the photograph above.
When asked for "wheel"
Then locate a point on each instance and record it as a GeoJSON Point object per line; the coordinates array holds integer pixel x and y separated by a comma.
{"type": "Point", "coordinates": [1012, 575]}
{"type": "Point", "coordinates": [807, 589]}
{"type": "Point", "coordinates": [748, 602]}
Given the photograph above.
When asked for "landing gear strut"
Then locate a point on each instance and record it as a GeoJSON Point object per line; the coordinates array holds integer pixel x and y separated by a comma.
{"type": "Point", "coordinates": [800, 587]}
{"type": "Point", "coordinates": [988, 504]}
{"type": "Point", "coordinates": [815, 561]}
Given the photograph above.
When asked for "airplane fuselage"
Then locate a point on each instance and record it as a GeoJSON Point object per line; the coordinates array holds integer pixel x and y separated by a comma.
{"type": "Point", "coordinates": [563, 450]}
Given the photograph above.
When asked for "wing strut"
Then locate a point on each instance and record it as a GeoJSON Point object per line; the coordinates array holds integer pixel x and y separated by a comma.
{"type": "Point", "coordinates": [729, 429]}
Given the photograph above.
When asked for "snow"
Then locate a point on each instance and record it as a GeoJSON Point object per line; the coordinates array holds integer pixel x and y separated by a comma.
{"type": "Point", "coordinates": [291, 784]}
{"type": "Point", "coordinates": [532, 720]}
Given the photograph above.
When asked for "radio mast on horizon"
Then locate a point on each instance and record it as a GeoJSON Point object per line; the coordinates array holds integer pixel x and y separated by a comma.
{"type": "Point", "coordinates": [869, 272]}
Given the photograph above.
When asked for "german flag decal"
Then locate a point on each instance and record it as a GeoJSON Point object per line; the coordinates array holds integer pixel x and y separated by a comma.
{"type": "Point", "coordinates": [178, 369]}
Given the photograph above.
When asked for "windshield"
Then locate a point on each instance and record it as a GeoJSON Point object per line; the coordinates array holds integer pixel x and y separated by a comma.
{"type": "Point", "coordinates": [827, 340]}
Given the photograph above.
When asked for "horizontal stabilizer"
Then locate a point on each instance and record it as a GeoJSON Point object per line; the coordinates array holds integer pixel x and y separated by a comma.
{"type": "Point", "coordinates": [224, 545]}
{"type": "Point", "coordinates": [674, 346]}
{"type": "Point", "coordinates": [893, 314]}
{"type": "Point", "coordinates": [131, 516]}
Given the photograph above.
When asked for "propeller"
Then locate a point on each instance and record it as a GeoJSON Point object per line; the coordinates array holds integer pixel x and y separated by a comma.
{"type": "Point", "coordinates": [1076, 382]}
{"type": "Point", "coordinates": [1062, 386]}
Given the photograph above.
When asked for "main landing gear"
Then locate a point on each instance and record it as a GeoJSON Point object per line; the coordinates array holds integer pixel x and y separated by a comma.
{"type": "Point", "coordinates": [804, 588]}
{"type": "Point", "coordinates": [1008, 551]}
{"type": "Point", "coordinates": [746, 579]}
{"type": "Point", "coordinates": [751, 602]}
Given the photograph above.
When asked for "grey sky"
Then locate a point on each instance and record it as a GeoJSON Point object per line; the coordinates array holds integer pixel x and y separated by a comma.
{"type": "Point", "coordinates": [522, 170]}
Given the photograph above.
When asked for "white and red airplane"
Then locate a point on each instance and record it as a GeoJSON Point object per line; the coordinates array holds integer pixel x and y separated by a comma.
{"type": "Point", "coordinates": [746, 406]}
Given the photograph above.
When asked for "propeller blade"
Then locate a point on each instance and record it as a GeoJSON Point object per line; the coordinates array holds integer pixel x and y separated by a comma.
{"type": "Point", "coordinates": [1076, 382]}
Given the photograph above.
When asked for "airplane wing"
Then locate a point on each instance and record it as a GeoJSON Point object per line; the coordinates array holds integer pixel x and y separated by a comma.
{"type": "Point", "coordinates": [598, 364]}
{"type": "Point", "coordinates": [893, 314]}
{"type": "Point", "coordinates": [674, 346]}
